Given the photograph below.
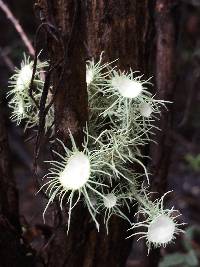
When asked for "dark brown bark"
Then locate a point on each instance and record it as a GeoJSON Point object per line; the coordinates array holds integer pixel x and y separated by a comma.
{"type": "Point", "coordinates": [8, 192]}
{"type": "Point", "coordinates": [120, 29]}
{"type": "Point", "coordinates": [165, 88]}
{"type": "Point", "coordinates": [165, 85]}
{"type": "Point", "coordinates": [13, 252]}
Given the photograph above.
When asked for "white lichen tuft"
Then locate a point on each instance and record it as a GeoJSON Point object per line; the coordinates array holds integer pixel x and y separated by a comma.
{"type": "Point", "coordinates": [75, 175]}
{"type": "Point", "coordinates": [97, 73]}
{"type": "Point", "coordinates": [24, 77]}
{"type": "Point", "coordinates": [127, 87]}
{"type": "Point", "coordinates": [22, 106]}
{"type": "Point", "coordinates": [122, 95]}
{"type": "Point", "coordinates": [109, 200]}
{"type": "Point", "coordinates": [89, 75]}
{"type": "Point", "coordinates": [145, 109]}
{"type": "Point", "coordinates": [113, 202]}
{"type": "Point", "coordinates": [76, 172]}
{"type": "Point", "coordinates": [160, 224]}
{"type": "Point", "coordinates": [161, 230]}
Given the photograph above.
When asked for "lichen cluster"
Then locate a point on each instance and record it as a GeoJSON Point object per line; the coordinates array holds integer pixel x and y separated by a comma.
{"type": "Point", "coordinates": [109, 172]}
{"type": "Point", "coordinates": [23, 107]}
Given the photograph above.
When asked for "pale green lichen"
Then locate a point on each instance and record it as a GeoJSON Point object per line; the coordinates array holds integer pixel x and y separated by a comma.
{"type": "Point", "coordinates": [21, 104]}
{"type": "Point", "coordinates": [105, 174]}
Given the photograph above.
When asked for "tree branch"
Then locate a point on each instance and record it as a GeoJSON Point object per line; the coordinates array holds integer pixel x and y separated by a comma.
{"type": "Point", "coordinates": [17, 27]}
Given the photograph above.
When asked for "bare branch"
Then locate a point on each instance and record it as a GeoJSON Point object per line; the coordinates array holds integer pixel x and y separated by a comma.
{"type": "Point", "coordinates": [18, 27]}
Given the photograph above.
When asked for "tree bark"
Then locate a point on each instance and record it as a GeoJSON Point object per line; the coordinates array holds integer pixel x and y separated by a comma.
{"type": "Point", "coordinates": [165, 85]}
{"type": "Point", "coordinates": [13, 251]}
{"type": "Point", "coordinates": [87, 28]}
{"type": "Point", "coordinates": [160, 153]}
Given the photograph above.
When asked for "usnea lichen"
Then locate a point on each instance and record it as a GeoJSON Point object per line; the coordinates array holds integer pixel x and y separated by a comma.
{"type": "Point", "coordinates": [107, 173]}
{"type": "Point", "coordinates": [160, 226]}
{"type": "Point", "coordinates": [75, 175]}
{"type": "Point", "coordinates": [113, 202]}
{"type": "Point", "coordinates": [121, 116]}
{"type": "Point", "coordinates": [22, 106]}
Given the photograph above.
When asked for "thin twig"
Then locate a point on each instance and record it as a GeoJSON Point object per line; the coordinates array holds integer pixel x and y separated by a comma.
{"type": "Point", "coordinates": [18, 27]}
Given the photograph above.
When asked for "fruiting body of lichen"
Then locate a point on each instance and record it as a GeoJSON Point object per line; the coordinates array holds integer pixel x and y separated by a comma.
{"type": "Point", "coordinates": [126, 87]}
{"type": "Point", "coordinates": [110, 200]}
{"type": "Point", "coordinates": [24, 77]}
{"type": "Point", "coordinates": [161, 230]}
{"type": "Point", "coordinates": [145, 109]}
{"type": "Point", "coordinates": [76, 172]}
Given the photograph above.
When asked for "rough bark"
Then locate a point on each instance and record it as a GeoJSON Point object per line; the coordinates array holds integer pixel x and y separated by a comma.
{"type": "Point", "coordinates": [165, 88]}
{"type": "Point", "coordinates": [120, 29]}
{"type": "Point", "coordinates": [165, 85]}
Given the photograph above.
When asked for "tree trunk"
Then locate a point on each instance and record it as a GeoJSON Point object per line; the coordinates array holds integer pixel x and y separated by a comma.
{"type": "Point", "coordinates": [165, 88]}
{"type": "Point", "coordinates": [165, 84]}
{"type": "Point", "coordinates": [13, 252]}
{"type": "Point", "coordinates": [81, 29]}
